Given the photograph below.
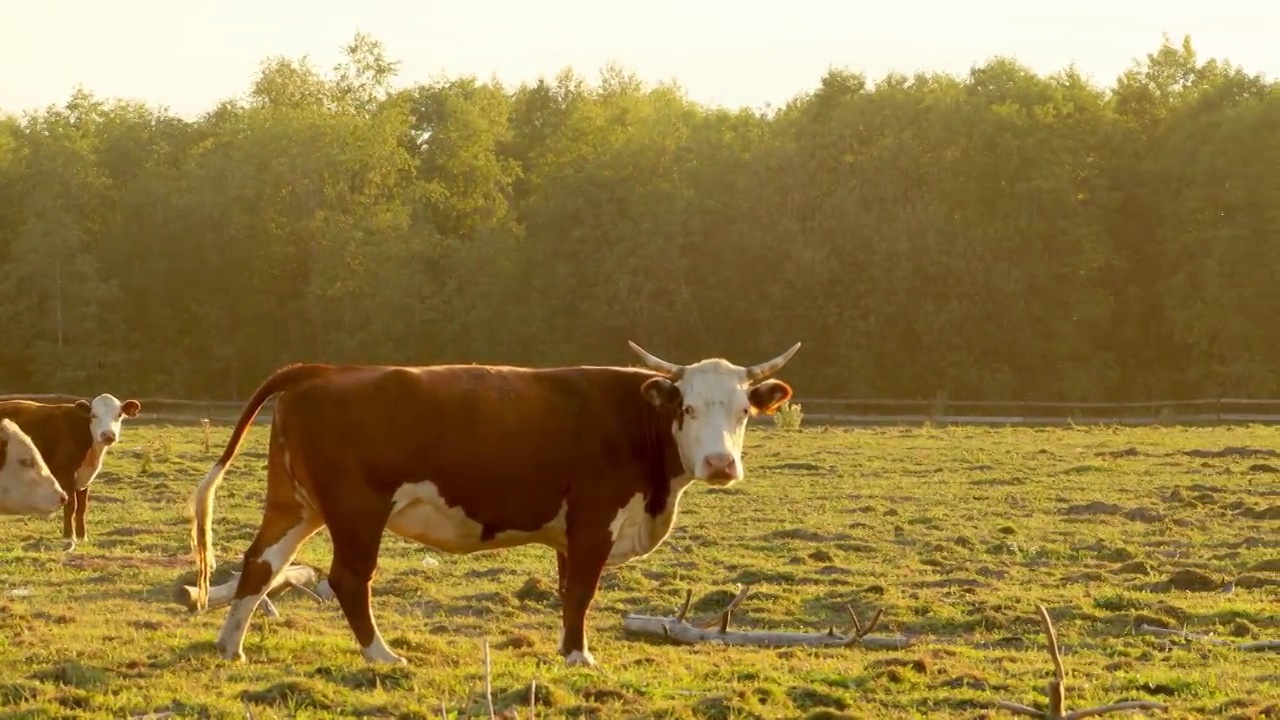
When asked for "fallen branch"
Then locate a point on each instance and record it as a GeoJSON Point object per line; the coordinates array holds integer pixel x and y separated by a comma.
{"type": "Point", "coordinates": [295, 577]}
{"type": "Point", "coordinates": [1145, 629]}
{"type": "Point", "coordinates": [1057, 691]}
{"type": "Point", "coordinates": [716, 630]}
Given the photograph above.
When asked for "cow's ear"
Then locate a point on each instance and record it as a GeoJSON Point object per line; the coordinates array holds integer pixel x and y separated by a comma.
{"type": "Point", "coordinates": [661, 392]}
{"type": "Point", "coordinates": [130, 408]}
{"type": "Point", "coordinates": [768, 395]}
{"type": "Point", "coordinates": [84, 405]}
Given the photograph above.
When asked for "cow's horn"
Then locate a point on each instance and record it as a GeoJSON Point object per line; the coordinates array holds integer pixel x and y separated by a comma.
{"type": "Point", "coordinates": [765, 369]}
{"type": "Point", "coordinates": [657, 363]}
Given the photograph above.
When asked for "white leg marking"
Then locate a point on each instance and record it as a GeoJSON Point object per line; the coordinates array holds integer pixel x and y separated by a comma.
{"type": "Point", "coordinates": [70, 544]}
{"type": "Point", "coordinates": [230, 642]}
{"type": "Point", "coordinates": [581, 658]}
{"type": "Point", "coordinates": [379, 653]}
{"type": "Point", "coordinates": [231, 639]}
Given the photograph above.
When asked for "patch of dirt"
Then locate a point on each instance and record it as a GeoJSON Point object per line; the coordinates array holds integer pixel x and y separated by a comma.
{"type": "Point", "coordinates": [1268, 513]}
{"type": "Point", "coordinates": [955, 582]}
{"type": "Point", "coordinates": [1250, 581]}
{"type": "Point", "coordinates": [1143, 515]}
{"type": "Point", "coordinates": [1269, 565]}
{"type": "Point", "coordinates": [537, 590]}
{"type": "Point", "coordinates": [1096, 507]}
{"type": "Point", "coordinates": [966, 681]}
{"type": "Point", "coordinates": [1009, 481]}
{"type": "Point", "coordinates": [1232, 452]}
{"type": "Point", "coordinates": [805, 467]}
{"type": "Point", "coordinates": [291, 695]}
{"type": "Point", "coordinates": [1189, 580]}
{"type": "Point", "coordinates": [821, 556]}
{"type": "Point", "coordinates": [518, 641]}
{"type": "Point", "coordinates": [115, 562]}
{"type": "Point", "coordinates": [127, 531]}
{"type": "Point", "coordinates": [802, 534]}
{"type": "Point", "coordinates": [1135, 567]}
{"type": "Point", "coordinates": [605, 695]}
{"type": "Point", "coordinates": [1081, 469]}
{"type": "Point", "coordinates": [1263, 468]}
{"type": "Point", "coordinates": [1084, 578]}
{"type": "Point", "coordinates": [1127, 452]}
{"type": "Point", "coordinates": [920, 664]}
{"type": "Point", "coordinates": [1250, 542]}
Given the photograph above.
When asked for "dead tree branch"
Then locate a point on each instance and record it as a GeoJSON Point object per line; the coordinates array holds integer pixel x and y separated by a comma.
{"type": "Point", "coordinates": [1057, 690]}
{"type": "Point", "coordinates": [295, 577]}
{"type": "Point", "coordinates": [1145, 629]}
{"type": "Point", "coordinates": [716, 630]}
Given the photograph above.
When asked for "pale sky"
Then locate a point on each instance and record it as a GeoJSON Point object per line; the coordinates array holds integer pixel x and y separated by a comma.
{"type": "Point", "coordinates": [189, 55]}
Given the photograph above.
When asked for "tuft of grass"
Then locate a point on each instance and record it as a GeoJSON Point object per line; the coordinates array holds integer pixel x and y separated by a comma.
{"type": "Point", "coordinates": [956, 532]}
{"type": "Point", "coordinates": [788, 416]}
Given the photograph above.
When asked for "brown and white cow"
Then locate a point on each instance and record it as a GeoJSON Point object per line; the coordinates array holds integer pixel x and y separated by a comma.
{"type": "Point", "coordinates": [589, 461]}
{"type": "Point", "coordinates": [73, 438]}
{"type": "Point", "coordinates": [27, 487]}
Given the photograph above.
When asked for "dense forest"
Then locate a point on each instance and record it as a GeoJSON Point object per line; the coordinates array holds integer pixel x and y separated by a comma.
{"type": "Point", "coordinates": [1000, 235]}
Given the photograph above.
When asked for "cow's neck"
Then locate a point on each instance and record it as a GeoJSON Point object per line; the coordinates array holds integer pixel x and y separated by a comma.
{"type": "Point", "coordinates": [90, 466]}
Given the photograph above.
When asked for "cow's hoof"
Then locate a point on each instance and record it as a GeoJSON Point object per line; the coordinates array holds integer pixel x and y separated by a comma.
{"type": "Point", "coordinates": [226, 653]}
{"type": "Point", "coordinates": [381, 655]}
{"type": "Point", "coordinates": [68, 545]}
{"type": "Point", "coordinates": [580, 658]}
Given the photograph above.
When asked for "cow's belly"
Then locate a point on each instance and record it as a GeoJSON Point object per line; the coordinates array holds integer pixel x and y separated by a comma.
{"type": "Point", "coordinates": [419, 513]}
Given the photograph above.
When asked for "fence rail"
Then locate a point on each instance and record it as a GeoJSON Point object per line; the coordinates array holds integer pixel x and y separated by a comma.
{"type": "Point", "coordinates": [838, 411]}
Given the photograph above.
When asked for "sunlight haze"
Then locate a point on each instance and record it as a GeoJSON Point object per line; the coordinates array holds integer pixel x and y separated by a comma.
{"type": "Point", "coordinates": [190, 56]}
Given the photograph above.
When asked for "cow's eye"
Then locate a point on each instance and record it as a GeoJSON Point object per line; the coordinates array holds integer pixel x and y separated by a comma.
{"type": "Point", "coordinates": [688, 410]}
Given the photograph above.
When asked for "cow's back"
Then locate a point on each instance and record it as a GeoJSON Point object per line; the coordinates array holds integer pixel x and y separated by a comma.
{"type": "Point", "coordinates": [510, 440]}
{"type": "Point", "coordinates": [60, 433]}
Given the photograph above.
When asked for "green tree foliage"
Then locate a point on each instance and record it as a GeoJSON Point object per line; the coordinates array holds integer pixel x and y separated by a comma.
{"type": "Point", "coordinates": [998, 235]}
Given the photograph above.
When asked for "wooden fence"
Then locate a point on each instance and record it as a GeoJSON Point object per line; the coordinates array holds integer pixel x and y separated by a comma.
{"type": "Point", "coordinates": [819, 411]}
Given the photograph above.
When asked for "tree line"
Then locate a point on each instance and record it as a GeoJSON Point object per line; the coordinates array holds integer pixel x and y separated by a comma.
{"type": "Point", "coordinates": [1001, 235]}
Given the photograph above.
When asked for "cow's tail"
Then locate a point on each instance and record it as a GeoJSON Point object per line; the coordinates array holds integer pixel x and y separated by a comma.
{"type": "Point", "coordinates": [201, 504]}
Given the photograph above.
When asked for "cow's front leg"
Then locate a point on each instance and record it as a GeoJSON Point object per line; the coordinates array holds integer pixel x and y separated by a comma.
{"type": "Point", "coordinates": [584, 563]}
{"type": "Point", "coordinates": [68, 519]}
{"type": "Point", "coordinates": [82, 506]}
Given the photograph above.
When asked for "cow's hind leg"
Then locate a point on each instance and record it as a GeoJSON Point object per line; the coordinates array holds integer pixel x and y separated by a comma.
{"type": "Point", "coordinates": [286, 524]}
{"type": "Point", "coordinates": [357, 536]}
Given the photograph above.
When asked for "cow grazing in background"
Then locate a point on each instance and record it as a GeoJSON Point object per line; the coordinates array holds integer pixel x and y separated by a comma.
{"type": "Point", "coordinates": [73, 438]}
{"type": "Point", "coordinates": [589, 461]}
{"type": "Point", "coordinates": [27, 487]}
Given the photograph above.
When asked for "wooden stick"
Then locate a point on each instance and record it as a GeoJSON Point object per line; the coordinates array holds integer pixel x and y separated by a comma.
{"type": "Point", "coordinates": [716, 630]}
{"type": "Point", "coordinates": [219, 595]}
{"type": "Point", "coordinates": [488, 681]}
{"type": "Point", "coordinates": [1145, 629]}
{"type": "Point", "coordinates": [1057, 691]}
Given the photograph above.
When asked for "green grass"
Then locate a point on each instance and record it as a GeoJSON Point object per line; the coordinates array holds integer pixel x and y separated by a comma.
{"type": "Point", "coordinates": [957, 533]}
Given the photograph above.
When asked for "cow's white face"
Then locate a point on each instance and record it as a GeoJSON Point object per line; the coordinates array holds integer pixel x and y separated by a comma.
{"type": "Point", "coordinates": [105, 415]}
{"type": "Point", "coordinates": [26, 485]}
{"type": "Point", "coordinates": [712, 401]}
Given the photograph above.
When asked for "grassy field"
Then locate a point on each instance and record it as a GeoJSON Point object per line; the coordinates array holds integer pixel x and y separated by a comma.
{"type": "Point", "coordinates": [957, 533]}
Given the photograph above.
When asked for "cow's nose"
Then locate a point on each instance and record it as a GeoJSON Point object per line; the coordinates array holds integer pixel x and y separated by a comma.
{"type": "Point", "coordinates": [62, 500]}
{"type": "Point", "coordinates": [108, 437]}
{"type": "Point", "coordinates": [718, 465]}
